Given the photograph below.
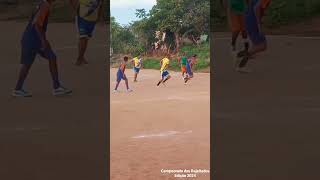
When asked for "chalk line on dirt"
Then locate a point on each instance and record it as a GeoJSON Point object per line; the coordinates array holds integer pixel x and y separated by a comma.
{"type": "Point", "coordinates": [162, 134]}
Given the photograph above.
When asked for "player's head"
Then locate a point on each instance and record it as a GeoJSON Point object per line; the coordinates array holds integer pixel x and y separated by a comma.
{"type": "Point", "coordinates": [125, 59]}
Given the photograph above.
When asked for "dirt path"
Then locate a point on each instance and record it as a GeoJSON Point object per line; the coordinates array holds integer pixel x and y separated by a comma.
{"type": "Point", "coordinates": [48, 138]}
{"type": "Point", "coordinates": [267, 122]}
{"type": "Point", "coordinates": [159, 128]}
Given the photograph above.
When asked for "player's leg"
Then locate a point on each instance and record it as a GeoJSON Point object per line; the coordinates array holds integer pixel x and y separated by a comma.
{"type": "Point", "coordinates": [245, 40]}
{"type": "Point", "coordinates": [27, 59]}
{"type": "Point", "coordinates": [54, 73]}
{"type": "Point", "coordinates": [58, 89]}
{"type": "Point", "coordinates": [166, 76]}
{"type": "Point", "coordinates": [119, 77]}
{"type": "Point", "coordinates": [257, 48]}
{"type": "Point", "coordinates": [135, 77]}
{"type": "Point", "coordinates": [85, 29]}
{"type": "Point", "coordinates": [162, 78]}
{"type": "Point", "coordinates": [82, 47]}
{"type": "Point", "coordinates": [183, 70]}
{"type": "Point", "coordinates": [186, 80]}
{"type": "Point", "coordinates": [19, 91]}
{"type": "Point", "coordinates": [127, 83]}
{"type": "Point", "coordinates": [258, 39]}
{"type": "Point", "coordinates": [136, 72]}
{"type": "Point", "coordinates": [166, 79]}
{"type": "Point", "coordinates": [235, 29]}
{"type": "Point", "coordinates": [234, 38]}
{"type": "Point", "coordinates": [159, 82]}
{"type": "Point", "coordinates": [117, 85]}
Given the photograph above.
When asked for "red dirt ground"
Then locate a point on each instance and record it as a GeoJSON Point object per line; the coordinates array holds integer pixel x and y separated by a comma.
{"type": "Point", "coordinates": [160, 128]}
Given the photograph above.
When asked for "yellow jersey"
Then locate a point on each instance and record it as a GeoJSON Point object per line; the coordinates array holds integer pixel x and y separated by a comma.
{"type": "Point", "coordinates": [165, 62]}
{"type": "Point", "coordinates": [88, 9]}
{"type": "Point", "coordinates": [137, 62]}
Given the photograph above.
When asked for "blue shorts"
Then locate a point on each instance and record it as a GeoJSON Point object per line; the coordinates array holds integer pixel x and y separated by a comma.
{"type": "Point", "coordinates": [164, 74]}
{"type": "Point", "coordinates": [120, 76]}
{"type": "Point", "coordinates": [28, 54]}
{"type": "Point", "coordinates": [85, 28]}
{"type": "Point", "coordinates": [189, 70]}
{"type": "Point", "coordinates": [136, 70]}
{"type": "Point", "coordinates": [252, 25]}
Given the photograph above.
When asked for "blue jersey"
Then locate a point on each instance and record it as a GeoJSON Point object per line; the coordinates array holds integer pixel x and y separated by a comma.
{"type": "Point", "coordinates": [30, 36]}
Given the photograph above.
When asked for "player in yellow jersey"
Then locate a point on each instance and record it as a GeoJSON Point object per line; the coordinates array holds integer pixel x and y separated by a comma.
{"type": "Point", "coordinates": [164, 63]}
{"type": "Point", "coordinates": [87, 13]}
{"type": "Point", "coordinates": [137, 64]}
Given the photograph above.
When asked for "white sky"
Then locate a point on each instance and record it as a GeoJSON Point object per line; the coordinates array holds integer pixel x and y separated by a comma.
{"type": "Point", "coordinates": [124, 10]}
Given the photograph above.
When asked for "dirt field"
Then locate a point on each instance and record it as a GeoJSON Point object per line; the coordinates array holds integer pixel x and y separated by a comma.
{"type": "Point", "coordinates": [159, 128]}
{"type": "Point", "coordinates": [49, 138]}
{"type": "Point", "coordinates": [267, 122]}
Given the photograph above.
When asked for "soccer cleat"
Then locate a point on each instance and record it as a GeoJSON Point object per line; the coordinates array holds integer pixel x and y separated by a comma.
{"type": "Point", "coordinates": [115, 91]}
{"type": "Point", "coordinates": [21, 93]}
{"type": "Point", "coordinates": [60, 91]}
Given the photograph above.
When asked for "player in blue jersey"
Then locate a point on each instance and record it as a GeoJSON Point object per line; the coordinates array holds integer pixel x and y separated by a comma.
{"type": "Point", "coordinates": [34, 42]}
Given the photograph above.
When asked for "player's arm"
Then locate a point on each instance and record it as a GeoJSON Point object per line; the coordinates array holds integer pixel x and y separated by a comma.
{"type": "Point", "coordinates": [38, 23]}
{"type": "Point", "coordinates": [122, 68]}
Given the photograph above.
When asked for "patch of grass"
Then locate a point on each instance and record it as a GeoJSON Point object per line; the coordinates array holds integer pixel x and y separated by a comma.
{"type": "Point", "coordinates": [203, 52]}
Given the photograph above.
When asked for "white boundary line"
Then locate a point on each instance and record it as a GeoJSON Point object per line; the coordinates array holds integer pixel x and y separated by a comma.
{"type": "Point", "coordinates": [163, 134]}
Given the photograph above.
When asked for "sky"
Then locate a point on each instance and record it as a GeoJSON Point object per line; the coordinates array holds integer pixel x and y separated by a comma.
{"type": "Point", "coordinates": [124, 10]}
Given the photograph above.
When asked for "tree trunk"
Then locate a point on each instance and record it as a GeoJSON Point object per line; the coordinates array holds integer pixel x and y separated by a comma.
{"type": "Point", "coordinates": [178, 41]}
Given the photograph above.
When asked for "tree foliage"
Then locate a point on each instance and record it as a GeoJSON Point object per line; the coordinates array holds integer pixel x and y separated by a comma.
{"type": "Point", "coordinates": [178, 18]}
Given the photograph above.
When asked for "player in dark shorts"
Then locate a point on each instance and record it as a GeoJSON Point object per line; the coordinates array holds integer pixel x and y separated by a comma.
{"type": "Point", "coordinates": [189, 73]}
{"type": "Point", "coordinates": [256, 10]}
{"type": "Point", "coordinates": [121, 75]}
{"type": "Point", "coordinates": [88, 13]}
{"type": "Point", "coordinates": [34, 42]}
